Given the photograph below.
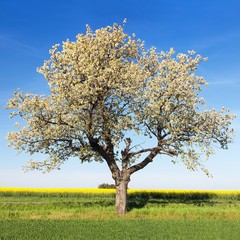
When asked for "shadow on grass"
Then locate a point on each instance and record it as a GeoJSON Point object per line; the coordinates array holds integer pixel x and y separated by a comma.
{"type": "Point", "coordinates": [141, 199]}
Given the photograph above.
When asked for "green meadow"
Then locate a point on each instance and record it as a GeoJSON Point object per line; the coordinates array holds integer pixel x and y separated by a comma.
{"type": "Point", "coordinates": [151, 215]}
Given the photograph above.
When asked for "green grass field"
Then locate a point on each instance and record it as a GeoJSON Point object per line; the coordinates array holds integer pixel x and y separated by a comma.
{"type": "Point", "coordinates": [151, 215]}
{"type": "Point", "coordinates": [149, 229]}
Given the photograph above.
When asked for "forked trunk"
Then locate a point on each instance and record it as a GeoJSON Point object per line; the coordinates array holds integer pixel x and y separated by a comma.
{"type": "Point", "coordinates": [121, 196]}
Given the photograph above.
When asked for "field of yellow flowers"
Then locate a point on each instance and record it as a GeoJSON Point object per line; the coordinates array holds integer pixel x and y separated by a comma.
{"type": "Point", "coordinates": [107, 191]}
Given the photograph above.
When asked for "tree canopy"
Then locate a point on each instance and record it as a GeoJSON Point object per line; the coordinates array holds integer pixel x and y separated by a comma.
{"type": "Point", "coordinates": [106, 85]}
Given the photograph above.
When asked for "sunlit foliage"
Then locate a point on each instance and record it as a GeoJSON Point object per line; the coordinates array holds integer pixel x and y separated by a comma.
{"type": "Point", "coordinates": [105, 86]}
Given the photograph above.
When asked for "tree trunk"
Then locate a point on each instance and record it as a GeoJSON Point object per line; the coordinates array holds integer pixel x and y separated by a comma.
{"type": "Point", "coordinates": [121, 196]}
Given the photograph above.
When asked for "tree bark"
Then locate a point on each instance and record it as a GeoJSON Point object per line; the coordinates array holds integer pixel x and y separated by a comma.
{"type": "Point", "coordinates": [121, 195]}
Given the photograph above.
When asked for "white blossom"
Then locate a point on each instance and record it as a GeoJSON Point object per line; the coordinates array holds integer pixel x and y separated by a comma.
{"type": "Point", "coordinates": [105, 85]}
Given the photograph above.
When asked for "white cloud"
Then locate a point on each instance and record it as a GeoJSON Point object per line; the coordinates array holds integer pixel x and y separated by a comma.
{"type": "Point", "coordinates": [222, 82]}
{"type": "Point", "coordinates": [7, 42]}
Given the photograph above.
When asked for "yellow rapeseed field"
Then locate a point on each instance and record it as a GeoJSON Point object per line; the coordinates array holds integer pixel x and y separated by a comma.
{"type": "Point", "coordinates": [58, 190]}
{"type": "Point", "coordinates": [102, 191]}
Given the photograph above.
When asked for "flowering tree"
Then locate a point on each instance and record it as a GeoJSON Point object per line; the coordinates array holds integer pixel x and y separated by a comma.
{"type": "Point", "coordinates": [106, 86]}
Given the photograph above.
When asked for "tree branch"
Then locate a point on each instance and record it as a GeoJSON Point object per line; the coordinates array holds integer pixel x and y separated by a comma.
{"type": "Point", "coordinates": [94, 143]}
{"type": "Point", "coordinates": [125, 153]}
{"type": "Point", "coordinates": [144, 163]}
{"type": "Point", "coordinates": [141, 151]}
{"type": "Point", "coordinates": [153, 153]}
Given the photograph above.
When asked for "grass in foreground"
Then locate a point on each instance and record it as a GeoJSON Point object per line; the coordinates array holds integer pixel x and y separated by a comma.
{"type": "Point", "coordinates": [16, 229]}
{"type": "Point", "coordinates": [90, 214]}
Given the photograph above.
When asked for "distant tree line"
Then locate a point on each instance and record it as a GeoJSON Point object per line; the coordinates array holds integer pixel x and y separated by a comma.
{"type": "Point", "coordinates": [107, 186]}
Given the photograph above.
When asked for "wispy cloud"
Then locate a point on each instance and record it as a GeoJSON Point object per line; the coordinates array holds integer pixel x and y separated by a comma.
{"type": "Point", "coordinates": [7, 42]}
{"type": "Point", "coordinates": [222, 82]}
{"type": "Point", "coordinates": [213, 41]}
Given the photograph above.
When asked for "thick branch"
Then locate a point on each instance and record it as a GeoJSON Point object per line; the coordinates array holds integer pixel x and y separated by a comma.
{"type": "Point", "coordinates": [144, 163]}
{"type": "Point", "coordinates": [141, 151]}
{"type": "Point", "coordinates": [153, 153]}
{"type": "Point", "coordinates": [109, 157]}
{"type": "Point", "coordinates": [125, 153]}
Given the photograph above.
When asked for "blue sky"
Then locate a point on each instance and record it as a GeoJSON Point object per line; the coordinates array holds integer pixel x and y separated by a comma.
{"type": "Point", "coordinates": [29, 28]}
